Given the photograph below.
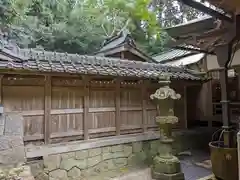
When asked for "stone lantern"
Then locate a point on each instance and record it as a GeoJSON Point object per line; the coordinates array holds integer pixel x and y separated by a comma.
{"type": "Point", "coordinates": [166, 166]}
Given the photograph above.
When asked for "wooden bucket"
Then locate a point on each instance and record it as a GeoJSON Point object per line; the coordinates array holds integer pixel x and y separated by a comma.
{"type": "Point", "coordinates": [224, 161]}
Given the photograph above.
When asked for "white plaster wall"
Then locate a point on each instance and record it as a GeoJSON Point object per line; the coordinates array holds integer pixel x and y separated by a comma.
{"type": "Point", "coordinates": [212, 63]}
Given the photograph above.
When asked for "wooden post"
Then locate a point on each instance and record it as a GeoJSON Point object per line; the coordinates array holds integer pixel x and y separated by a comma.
{"type": "Point", "coordinates": [209, 104]}
{"type": "Point", "coordinates": [117, 106]}
{"type": "Point", "coordinates": [86, 108]}
{"type": "Point", "coordinates": [122, 55]}
{"type": "Point", "coordinates": [1, 90]}
{"type": "Point", "coordinates": [223, 53]}
{"type": "Point", "coordinates": [144, 110]}
{"type": "Point", "coordinates": [238, 77]}
{"type": "Point", "coordinates": [47, 109]}
{"type": "Point", "coordinates": [185, 108]}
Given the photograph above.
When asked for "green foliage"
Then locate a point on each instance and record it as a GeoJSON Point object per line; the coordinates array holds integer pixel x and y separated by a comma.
{"type": "Point", "coordinates": [80, 26]}
{"type": "Point", "coordinates": [75, 26]}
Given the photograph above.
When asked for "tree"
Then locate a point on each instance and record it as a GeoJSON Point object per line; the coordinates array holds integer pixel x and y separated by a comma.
{"type": "Point", "coordinates": [76, 26]}
{"type": "Point", "coordinates": [80, 26]}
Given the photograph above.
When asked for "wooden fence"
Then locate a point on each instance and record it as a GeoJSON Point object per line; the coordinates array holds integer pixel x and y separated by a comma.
{"type": "Point", "coordinates": [57, 109]}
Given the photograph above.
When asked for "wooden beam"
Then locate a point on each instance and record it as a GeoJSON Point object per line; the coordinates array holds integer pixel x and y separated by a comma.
{"type": "Point", "coordinates": [47, 109]}
{"type": "Point", "coordinates": [144, 104]}
{"type": "Point", "coordinates": [86, 108]}
{"type": "Point", "coordinates": [201, 7]}
{"type": "Point", "coordinates": [117, 106]}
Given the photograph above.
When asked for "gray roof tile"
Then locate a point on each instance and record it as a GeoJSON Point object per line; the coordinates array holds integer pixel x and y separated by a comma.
{"type": "Point", "coordinates": [45, 61]}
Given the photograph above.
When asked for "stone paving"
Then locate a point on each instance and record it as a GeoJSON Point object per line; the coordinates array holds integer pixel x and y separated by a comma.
{"type": "Point", "coordinates": [190, 169]}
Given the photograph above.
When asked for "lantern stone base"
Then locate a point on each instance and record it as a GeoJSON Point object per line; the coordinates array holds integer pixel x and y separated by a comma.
{"type": "Point", "coordinates": [168, 168]}
{"type": "Point", "coordinates": [166, 165]}
{"type": "Point", "coordinates": [163, 176]}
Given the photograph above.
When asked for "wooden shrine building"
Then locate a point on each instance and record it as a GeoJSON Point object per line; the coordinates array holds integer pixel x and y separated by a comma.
{"type": "Point", "coordinates": [66, 97]}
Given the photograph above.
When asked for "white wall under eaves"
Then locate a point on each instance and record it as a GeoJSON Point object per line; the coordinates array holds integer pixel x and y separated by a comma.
{"type": "Point", "coordinates": [212, 63]}
{"type": "Point", "coordinates": [187, 60]}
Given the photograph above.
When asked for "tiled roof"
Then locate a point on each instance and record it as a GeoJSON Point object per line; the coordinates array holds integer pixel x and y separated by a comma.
{"type": "Point", "coordinates": [171, 54]}
{"type": "Point", "coordinates": [45, 61]}
{"type": "Point", "coordinates": [115, 41]}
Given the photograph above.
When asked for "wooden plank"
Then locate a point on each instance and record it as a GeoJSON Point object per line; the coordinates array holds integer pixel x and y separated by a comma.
{"type": "Point", "coordinates": [67, 89]}
{"type": "Point", "coordinates": [77, 111]}
{"type": "Point", "coordinates": [33, 137]}
{"type": "Point", "coordinates": [151, 108]}
{"type": "Point", "coordinates": [107, 109]}
{"type": "Point", "coordinates": [144, 109]}
{"type": "Point", "coordinates": [185, 108]}
{"type": "Point", "coordinates": [102, 130]}
{"type": "Point", "coordinates": [152, 126]}
{"type": "Point", "coordinates": [47, 109]}
{"type": "Point", "coordinates": [66, 134]}
{"type": "Point", "coordinates": [117, 103]}
{"type": "Point", "coordinates": [130, 127]}
{"type": "Point", "coordinates": [86, 107]}
{"type": "Point", "coordinates": [38, 151]}
{"type": "Point", "coordinates": [131, 109]}
{"type": "Point", "coordinates": [30, 112]}
{"type": "Point", "coordinates": [66, 111]}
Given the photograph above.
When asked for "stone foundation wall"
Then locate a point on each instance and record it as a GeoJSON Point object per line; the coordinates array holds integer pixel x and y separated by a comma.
{"type": "Point", "coordinates": [90, 163]}
{"type": "Point", "coordinates": [94, 162]}
{"type": "Point", "coordinates": [12, 151]}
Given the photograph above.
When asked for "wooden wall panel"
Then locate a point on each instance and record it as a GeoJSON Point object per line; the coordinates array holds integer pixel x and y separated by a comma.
{"type": "Point", "coordinates": [101, 98]}
{"type": "Point", "coordinates": [67, 109]}
{"type": "Point", "coordinates": [179, 107]}
{"type": "Point", "coordinates": [151, 117]}
{"type": "Point", "coordinates": [101, 117]}
{"type": "Point", "coordinates": [67, 97]}
{"type": "Point", "coordinates": [101, 120]}
{"type": "Point", "coordinates": [28, 100]}
{"type": "Point", "coordinates": [66, 122]}
{"type": "Point", "coordinates": [130, 98]}
{"type": "Point", "coordinates": [149, 102]}
{"type": "Point", "coordinates": [131, 118]}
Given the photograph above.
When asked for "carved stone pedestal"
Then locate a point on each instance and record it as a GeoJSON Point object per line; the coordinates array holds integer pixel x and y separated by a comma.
{"type": "Point", "coordinates": [166, 166]}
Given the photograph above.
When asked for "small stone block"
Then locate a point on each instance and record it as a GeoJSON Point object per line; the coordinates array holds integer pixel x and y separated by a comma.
{"type": "Point", "coordinates": [68, 155]}
{"type": "Point", "coordinates": [74, 173]}
{"type": "Point", "coordinates": [58, 174]}
{"type": "Point", "coordinates": [127, 149]}
{"type": "Point", "coordinates": [94, 152]}
{"type": "Point", "coordinates": [9, 142]}
{"type": "Point", "coordinates": [68, 164]}
{"type": "Point", "coordinates": [106, 149]}
{"type": "Point", "coordinates": [52, 162]}
{"type": "Point", "coordinates": [117, 148]}
{"type": "Point", "coordinates": [42, 176]}
{"type": "Point", "coordinates": [12, 156]}
{"type": "Point", "coordinates": [137, 147]}
{"type": "Point", "coordinates": [92, 161]}
{"type": "Point", "coordinates": [83, 154]}
{"type": "Point", "coordinates": [13, 124]}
